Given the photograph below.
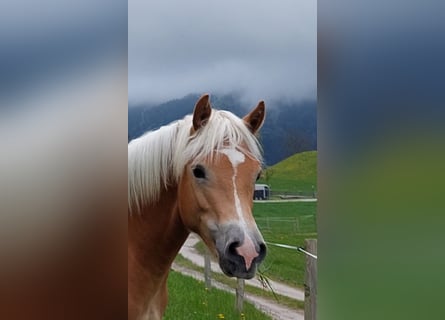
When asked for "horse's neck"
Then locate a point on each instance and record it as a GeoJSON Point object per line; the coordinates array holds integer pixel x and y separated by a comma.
{"type": "Point", "coordinates": [154, 239]}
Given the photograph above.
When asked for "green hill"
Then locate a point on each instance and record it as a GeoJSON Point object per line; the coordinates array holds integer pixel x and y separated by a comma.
{"type": "Point", "coordinates": [298, 173]}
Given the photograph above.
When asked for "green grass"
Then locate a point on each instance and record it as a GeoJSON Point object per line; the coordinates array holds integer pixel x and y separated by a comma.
{"type": "Point", "coordinates": [188, 299]}
{"type": "Point", "coordinates": [282, 264]}
{"type": "Point", "coordinates": [286, 217]}
{"type": "Point", "coordinates": [284, 209]}
{"type": "Point", "coordinates": [231, 282]}
{"type": "Point", "coordinates": [298, 173]}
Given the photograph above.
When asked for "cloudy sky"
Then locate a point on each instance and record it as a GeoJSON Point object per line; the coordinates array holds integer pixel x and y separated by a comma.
{"type": "Point", "coordinates": [256, 48]}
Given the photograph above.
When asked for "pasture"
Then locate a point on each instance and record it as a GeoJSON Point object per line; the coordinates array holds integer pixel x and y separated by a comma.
{"type": "Point", "coordinates": [288, 222]}
{"type": "Point", "coordinates": [277, 223]}
{"type": "Point", "coordinates": [189, 300]}
{"type": "Point", "coordinates": [295, 174]}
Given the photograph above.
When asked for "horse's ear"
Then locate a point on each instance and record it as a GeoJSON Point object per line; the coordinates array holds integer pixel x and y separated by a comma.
{"type": "Point", "coordinates": [255, 119]}
{"type": "Point", "coordinates": [202, 112]}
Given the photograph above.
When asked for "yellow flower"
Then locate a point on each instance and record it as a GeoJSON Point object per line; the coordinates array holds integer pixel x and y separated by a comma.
{"type": "Point", "coordinates": [220, 316]}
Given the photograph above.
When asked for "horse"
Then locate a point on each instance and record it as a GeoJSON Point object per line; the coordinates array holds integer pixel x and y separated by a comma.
{"type": "Point", "coordinates": [196, 175]}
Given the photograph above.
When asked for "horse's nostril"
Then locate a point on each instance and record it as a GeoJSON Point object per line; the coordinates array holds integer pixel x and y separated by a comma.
{"type": "Point", "coordinates": [262, 249]}
{"type": "Point", "coordinates": [232, 247]}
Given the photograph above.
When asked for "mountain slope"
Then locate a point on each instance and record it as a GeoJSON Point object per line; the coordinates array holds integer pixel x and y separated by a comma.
{"type": "Point", "coordinates": [294, 174]}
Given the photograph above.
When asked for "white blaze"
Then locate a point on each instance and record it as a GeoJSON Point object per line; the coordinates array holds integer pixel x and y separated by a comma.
{"type": "Point", "coordinates": [247, 249]}
{"type": "Point", "coordinates": [236, 157]}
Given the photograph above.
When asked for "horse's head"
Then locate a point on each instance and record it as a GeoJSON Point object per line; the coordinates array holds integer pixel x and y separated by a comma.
{"type": "Point", "coordinates": [216, 192]}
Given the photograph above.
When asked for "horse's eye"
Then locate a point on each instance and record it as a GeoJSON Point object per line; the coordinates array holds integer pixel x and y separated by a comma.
{"type": "Point", "coordinates": [199, 172]}
{"type": "Point", "coordinates": [258, 177]}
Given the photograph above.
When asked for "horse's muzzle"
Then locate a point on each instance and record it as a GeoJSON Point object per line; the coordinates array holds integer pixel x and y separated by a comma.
{"type": "Point", "coordinates": [235, 265]}
{"type": "Point", "coordinates": [241, 254]}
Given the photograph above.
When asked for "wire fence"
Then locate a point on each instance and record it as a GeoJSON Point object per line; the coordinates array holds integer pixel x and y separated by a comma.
{"type": "Point", "coordinates": [310, 282]}
{"type": "Point", "coordinates": [290, 194]}
{"type": "Point", "coordinates": [290, 225]}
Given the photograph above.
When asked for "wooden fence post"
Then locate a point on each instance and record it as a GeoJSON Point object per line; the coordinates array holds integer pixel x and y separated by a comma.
{"type": "Point", "coordinates": [240, 295]}
{"type": "Point", "coordinates": [310, 282]}
{"type": "Point", "coordinates": [207, 269]}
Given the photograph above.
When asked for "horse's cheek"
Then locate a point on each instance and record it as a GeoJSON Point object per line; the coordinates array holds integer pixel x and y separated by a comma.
{"type": "Point", "coordinates": [187, 206]}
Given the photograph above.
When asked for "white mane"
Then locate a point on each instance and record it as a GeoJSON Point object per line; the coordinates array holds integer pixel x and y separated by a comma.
{"type": "Point", "coordinates": [157, 158]}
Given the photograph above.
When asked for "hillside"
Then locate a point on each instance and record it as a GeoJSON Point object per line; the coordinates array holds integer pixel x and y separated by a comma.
{"type": "Point", "coordinates": [298, 173]}
{"type": "Point", "coordinates": [289, 128]}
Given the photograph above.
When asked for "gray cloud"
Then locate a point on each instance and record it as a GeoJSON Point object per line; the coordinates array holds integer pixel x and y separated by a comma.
{"type": "Point", "coordinates": [259, 49]}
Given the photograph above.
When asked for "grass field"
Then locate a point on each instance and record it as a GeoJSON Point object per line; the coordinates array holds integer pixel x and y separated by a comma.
{"type": "Point", "coordinates": [191, 301]}
{"type": "Point", "coordinates": [282, 264]}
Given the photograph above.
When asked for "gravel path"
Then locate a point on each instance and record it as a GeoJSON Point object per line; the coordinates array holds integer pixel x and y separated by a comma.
{"type": "Point", "coordinates": [277, 311]}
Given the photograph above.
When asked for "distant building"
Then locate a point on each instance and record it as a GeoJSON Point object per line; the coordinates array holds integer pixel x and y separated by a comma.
{"type": "Point", "coordinates": [262, 192]}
